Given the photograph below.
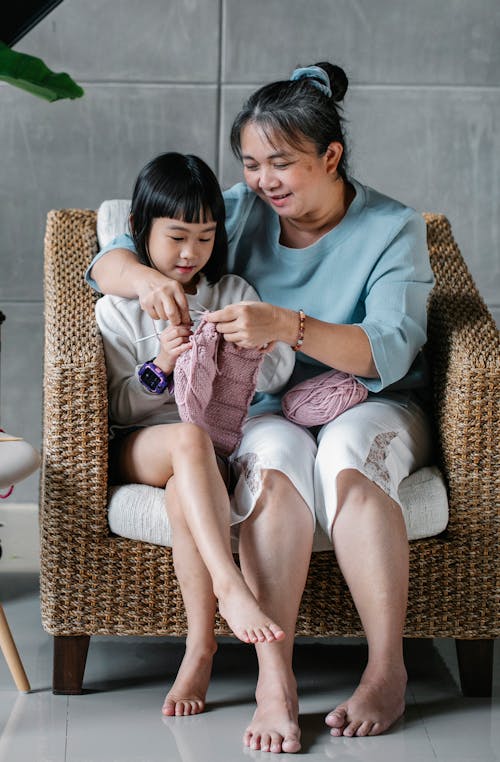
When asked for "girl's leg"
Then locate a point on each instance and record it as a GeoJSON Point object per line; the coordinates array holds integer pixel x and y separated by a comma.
{"type": "Point", "coordinates": [275, 549]}
{"type": "Point", "coordinates": [187, 695]}
{"type": "Point", "coordinates": [370, 526]}
{"type": "Point", "coordinates": [186, 451]}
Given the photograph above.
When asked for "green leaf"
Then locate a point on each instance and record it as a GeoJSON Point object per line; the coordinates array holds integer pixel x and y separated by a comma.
{"type": "Point", "coordinates": [31, 74]}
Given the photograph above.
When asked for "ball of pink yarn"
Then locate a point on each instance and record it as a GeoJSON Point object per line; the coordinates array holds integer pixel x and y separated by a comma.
{"type": "Point", "coordinates": [322, 398]}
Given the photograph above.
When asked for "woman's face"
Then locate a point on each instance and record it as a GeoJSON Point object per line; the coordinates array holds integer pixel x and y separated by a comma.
{"type": "Point", "coordinates": [293, 181]}
{"type": "Point", "coordinates": [181, 249]}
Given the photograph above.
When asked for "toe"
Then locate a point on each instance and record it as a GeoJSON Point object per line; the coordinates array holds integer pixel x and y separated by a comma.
{"type": "Point", "coordinates": [337, 718]}
{"type": "Point", "coordinates": [265, 742]}
{"type": "Point", "coordinates": [352, 728]}
{"type": "Point", "coordinates": [364, 728]}
{"type": "Point", "coordinates": [277, 632]}
{"type": "Point", "coordinates": [255, 742]}
{"type": "Point", "coordinates": [168, 708]}
{"type": "Point", "coordinates": [268, 634]}
{"type": "Point", "coordinates": [291, 744]}
{"type": "Point", "coordinates": [376, 729]}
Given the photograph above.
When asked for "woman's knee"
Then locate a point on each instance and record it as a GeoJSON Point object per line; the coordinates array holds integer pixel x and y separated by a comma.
{"type": "Point", "coordinates": [274, 482]}
{"type": "Point", "coordinates": [356, 491]}
{"type": "Point", "coordinates": [279, 495]}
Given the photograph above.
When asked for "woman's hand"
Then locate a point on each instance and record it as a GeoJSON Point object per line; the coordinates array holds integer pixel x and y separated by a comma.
{"type": "Point", "coordinates": [163, 298]}
{"type": "Point", "coordinates": [174, 341]}
{"type": "Point", "coordinates": [253, 325]}
{"type": "Point", "coordinates": [119, 272]}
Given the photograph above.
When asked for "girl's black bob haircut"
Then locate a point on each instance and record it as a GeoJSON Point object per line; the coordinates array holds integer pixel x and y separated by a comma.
{"type": "Point", "coordinates": [181, 187]}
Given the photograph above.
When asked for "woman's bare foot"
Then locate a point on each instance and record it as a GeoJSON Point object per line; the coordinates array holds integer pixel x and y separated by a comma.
{"type": "Point", "coordinates": [244, 616]}
{"type": "Point", "coordinates": [187, 694]}
{"type": "Point", "coordinates": [275, 726]}
{"type": "Point", "coordinates": [375, 705]}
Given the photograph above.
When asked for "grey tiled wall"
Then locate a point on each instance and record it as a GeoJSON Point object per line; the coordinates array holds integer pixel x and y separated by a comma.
{"type": "Point", "coordinates": [423, 110]}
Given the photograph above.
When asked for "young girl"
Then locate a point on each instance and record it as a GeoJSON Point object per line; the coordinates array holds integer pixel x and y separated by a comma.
{"type": "Point", "coordinates": [177, 222]}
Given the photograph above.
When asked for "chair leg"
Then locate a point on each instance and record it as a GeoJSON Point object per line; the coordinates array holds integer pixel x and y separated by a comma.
{"type": "Point", "coordinates": [11, 654]}
{"type": "Point", "coordinates": [475, 665]}
{"type": "Point", "coordinates": [70, 656]}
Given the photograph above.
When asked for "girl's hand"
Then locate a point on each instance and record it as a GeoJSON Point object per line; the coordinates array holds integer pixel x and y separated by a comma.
{"type": "Point", "coordinates": [163, 298]}
{"type": "Point", "coordinates": [174, 341]}
{"type": "Point", "coordinates": [253, 325]}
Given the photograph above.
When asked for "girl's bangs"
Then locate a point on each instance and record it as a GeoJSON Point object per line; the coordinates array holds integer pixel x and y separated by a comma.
{"type": "Point", "coordinates": [186, 207]}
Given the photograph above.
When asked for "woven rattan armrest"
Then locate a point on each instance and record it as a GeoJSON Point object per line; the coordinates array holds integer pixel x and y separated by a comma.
{"type": "Point", "coordinates": [75, 393]}
{"type": "Point", "coordinates": [464, 350]}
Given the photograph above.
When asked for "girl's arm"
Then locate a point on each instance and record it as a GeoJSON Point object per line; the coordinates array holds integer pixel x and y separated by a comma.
{"type": "Point", "coordinates": [119, 272]}
{"type": "Point", "coordinates": [129, 401]}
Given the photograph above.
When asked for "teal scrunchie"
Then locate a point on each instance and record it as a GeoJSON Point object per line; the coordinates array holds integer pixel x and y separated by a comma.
{"type": "Point", "coordinates": [314, 73]}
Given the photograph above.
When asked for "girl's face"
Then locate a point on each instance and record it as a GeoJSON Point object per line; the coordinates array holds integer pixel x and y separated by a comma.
{"type": "Point", "coordinates": [294, 182]}
{"type": "Point", "coordinates": [181, 249]}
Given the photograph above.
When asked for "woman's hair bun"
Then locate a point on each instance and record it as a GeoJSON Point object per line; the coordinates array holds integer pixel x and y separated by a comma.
{"type": "Point", "coordinates": [338, 79]}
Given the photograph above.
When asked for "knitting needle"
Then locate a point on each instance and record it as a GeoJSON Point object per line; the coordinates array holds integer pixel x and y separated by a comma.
{"type": "Point", "coordinates": [143, 338]}
{"type": "Point", "coordinates": [196, 312]}
{"type": "Point", "coordinates": [150, 335]}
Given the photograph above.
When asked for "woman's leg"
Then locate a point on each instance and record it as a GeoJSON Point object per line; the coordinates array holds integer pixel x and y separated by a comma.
{"type": "Point", "coordinates": [362, 457]}
{"type": "Point", "coordinates": [187, 694]}
{"type": "Point", "coordinates": [370, 526]}
{"type": "Point", "coordinates": [275, 550]}
{"type": "Point", "coordinates": [186, 451]}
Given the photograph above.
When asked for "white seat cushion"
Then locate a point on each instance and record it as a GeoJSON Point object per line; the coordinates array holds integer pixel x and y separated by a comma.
{"type": "Point", "coordinates": [138, 512]}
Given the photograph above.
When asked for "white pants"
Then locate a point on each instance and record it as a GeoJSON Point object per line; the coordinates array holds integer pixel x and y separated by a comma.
{"type": "Point", "coordinates": [385, 438]}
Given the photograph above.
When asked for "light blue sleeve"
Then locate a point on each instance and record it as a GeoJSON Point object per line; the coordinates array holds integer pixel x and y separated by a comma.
{"type": "Point", "coordinates": [396, 304]}
{"type": "Point", "coordinates": [121, 242]}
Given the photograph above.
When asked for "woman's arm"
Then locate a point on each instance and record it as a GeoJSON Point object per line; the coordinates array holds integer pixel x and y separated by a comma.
{"type": "Point", "coordinates": [119, 272]}
{"type": "Point", "coordinates": [253, 324]}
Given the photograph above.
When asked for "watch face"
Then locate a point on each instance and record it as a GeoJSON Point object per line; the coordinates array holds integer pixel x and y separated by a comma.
{"type": "Point", "coordinates": [151, 379]}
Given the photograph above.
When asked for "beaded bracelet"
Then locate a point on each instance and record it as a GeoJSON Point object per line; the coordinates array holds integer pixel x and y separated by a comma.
{"type": "Point", "coordinates": [302, 324]}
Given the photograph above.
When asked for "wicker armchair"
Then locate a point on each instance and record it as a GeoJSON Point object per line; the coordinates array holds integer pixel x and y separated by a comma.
{"type": "Point", "coordinates": [94, 583]}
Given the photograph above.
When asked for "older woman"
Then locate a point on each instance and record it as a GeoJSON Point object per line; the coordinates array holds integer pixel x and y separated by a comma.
{"type": "Point", "coordinates": [343, 274]}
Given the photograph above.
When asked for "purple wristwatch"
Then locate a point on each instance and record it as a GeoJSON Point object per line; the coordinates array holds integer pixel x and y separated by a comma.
{"type": "Point", "coordinates": [155, 379]}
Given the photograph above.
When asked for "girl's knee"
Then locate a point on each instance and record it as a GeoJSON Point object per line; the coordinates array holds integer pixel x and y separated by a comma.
{"type": "Point", "coordinates": [191, 438]}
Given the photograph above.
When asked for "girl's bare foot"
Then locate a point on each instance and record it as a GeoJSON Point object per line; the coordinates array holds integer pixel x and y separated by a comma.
{"type": "Point", "coordinates": [187, 694]}
{"type": "Point", "coordinates": [244, 616]}
{"type": "Point", "coordinates": [374, 706]}
{"type": "Point", "coordinates": [275, 727]}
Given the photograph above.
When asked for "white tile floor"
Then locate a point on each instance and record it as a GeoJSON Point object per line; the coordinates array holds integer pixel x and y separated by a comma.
{"type": "Point", "coordinates": [118, 719]}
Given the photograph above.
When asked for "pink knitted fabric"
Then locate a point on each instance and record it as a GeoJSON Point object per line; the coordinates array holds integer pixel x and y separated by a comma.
{"type": "Point", "coordinates": [195, 371]}
{"type": "Point", "coordinates": [214, 385]}
{"type": "Point", "coordinates": [322, 398]}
